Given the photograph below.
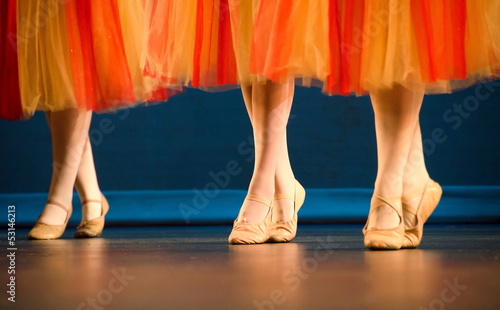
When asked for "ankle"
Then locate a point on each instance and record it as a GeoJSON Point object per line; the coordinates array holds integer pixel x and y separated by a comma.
{"type": "Point", "coordinates": [253, 211]}
{"type": "Point", "coordinates": [55, 213]}
{"type": "Point", "coordinates": [92, 196]}
{"type": "Point", "coordinates": [91, 209]}
{"type": "Point", "coordinates": [384, 213]}
{"type": "Point", "coordinates": [58, 203]}
{"type": "Point", "coordinates": [412, 186]}
{"type": "Point", "coordinates": [283, 209]}
{"type": "Point", "coordinates": [286, 187]}
{"type": "Point", "coordinates": [263, 192]}
{"type": "Point", "coordinates": [387, 190]}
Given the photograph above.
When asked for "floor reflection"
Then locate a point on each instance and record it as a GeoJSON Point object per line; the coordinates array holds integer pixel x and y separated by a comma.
{"type": "Point", "coordinates": [194, 268]}
{"type": "Point", "coordinates": [403, 276]}
{"type": "Point", "coordinates": [269, 274]}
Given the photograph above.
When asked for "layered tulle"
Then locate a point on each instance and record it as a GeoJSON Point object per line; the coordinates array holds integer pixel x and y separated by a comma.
{"type": "Point", "coordinates": [345, 47]}
{"type": "Point", "coordinates": [10, 102]}
{"type": "Point", "coordinates": [190, 43]}
{"type": "Point", "coordinates": [436, 45]}
{"type": "Point", "coordinates": [73, 54]}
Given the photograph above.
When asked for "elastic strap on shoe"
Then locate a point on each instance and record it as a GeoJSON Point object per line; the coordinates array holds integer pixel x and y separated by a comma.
{"type": "Point", "coordinates": [283, 196]}
{"type": "Point", "coordinates": [258, 199]}
{"type": "Point", "coordinates": [60, 205]}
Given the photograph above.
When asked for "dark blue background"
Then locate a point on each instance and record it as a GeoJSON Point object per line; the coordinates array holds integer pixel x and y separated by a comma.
{"type": "Point", "coordinates": [175, 145]}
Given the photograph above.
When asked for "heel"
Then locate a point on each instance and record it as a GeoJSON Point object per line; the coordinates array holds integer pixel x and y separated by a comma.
{"type": "Point", "coordinates": [42, 231]}
{"type": "Point", "coordinates": [255, 233]}
{"type": "Point", "coordinates": [384, 239]}
{"type": "Point", "coordinates": [94, 227]}
{"type": "Point", "coordinates": [285, 231]}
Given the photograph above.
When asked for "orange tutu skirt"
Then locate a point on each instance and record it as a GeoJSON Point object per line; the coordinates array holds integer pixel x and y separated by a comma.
{"type": "Point", "coordinates": [344, 46]}
{"type": "Point", "coordinates": [84, 54]}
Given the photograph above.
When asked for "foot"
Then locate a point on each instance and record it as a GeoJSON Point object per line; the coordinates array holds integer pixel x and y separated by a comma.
{"type": "Point", "coordinates": [92, 225]}
{"type": "Point", "coordinates": [284, 229]}
{"type": "Point", "coordinates": [417, 207]}
{"type": "Point", "coordinates": [384, 217]}
{"type": "Point", "coordinates": [252, 211]}
{"type": "Point", "coordinates": [47, 226]}
{"type": "Point", "coordinates": [91, 209]}
{"type": "Point", "coordinates": [389, 236]}
{"type": "Point", "coordinates": [53, 214]}
{"type": "Point", "coordinates": [283, 210]}
{"type": "Point", "coordinates": [410, 218]}
{"type": "Point", "coordinates": [245, 232]}
{"type": "Point", "coordinates": [413, 189]}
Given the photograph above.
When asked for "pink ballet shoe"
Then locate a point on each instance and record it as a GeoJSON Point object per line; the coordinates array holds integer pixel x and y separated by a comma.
{"type": "Point", "coordinates": [384, 239]}
{"type": "Point", "coordinates": [255, 233]}
{"type": "Point", "coordinates": [431, 195]}
{"type": "Point", "coordinates": [285, 231]}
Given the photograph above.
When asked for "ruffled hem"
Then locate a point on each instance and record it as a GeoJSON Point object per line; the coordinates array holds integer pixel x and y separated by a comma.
{"type": "Point", "coordinates": [344, 46]}
{"type": "Point", "coordinates": [74, 54]}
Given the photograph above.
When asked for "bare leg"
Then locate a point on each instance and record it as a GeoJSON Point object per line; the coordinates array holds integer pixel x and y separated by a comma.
{"type": "Point", "coordinates": [69, 130]}
{"type": "Point", "coordinates": [415, 175]}
{"type": "Point", "coordinates": [87, 186]}
{"type": "Point", "coordinates": [268, 107]}
{"type": "Point", "coordinates": [396, 121]}
{"type": "Point", "coordinates": [284, 183]}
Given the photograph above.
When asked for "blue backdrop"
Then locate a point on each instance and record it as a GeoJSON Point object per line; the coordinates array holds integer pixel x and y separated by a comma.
{"type": "Point", "coordinates": [189, 160]}
{"type": "Point", "coordinates": [186, 142]}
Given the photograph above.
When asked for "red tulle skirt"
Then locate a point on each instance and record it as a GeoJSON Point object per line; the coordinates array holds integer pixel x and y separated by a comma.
{"type": "Point", "coordinates": [82, 54]}
{"type": "Point", "coordinates": [343, 46]}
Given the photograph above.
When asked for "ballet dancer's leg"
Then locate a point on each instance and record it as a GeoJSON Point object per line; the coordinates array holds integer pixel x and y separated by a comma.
{"type": "Point", "coordinates": [283, 209]}
{"type": "Point", "coordinates": [396, 121]}
{"type": "Point", "coordinates": [69, 130]}
{"type": "Point", "coordinates": [269, 107]}
{"type": "Point", "coordinates": [87, 185]}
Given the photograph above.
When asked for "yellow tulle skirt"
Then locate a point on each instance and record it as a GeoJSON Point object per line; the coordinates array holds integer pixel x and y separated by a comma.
{"type": "Point", "coordinates": [84, 54]}
{"type": "Point", "coordinates": [343, 46]}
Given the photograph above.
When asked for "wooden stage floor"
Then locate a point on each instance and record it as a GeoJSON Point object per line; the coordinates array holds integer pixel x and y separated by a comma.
{"type": "Point", "coordinates": [326, 267]}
